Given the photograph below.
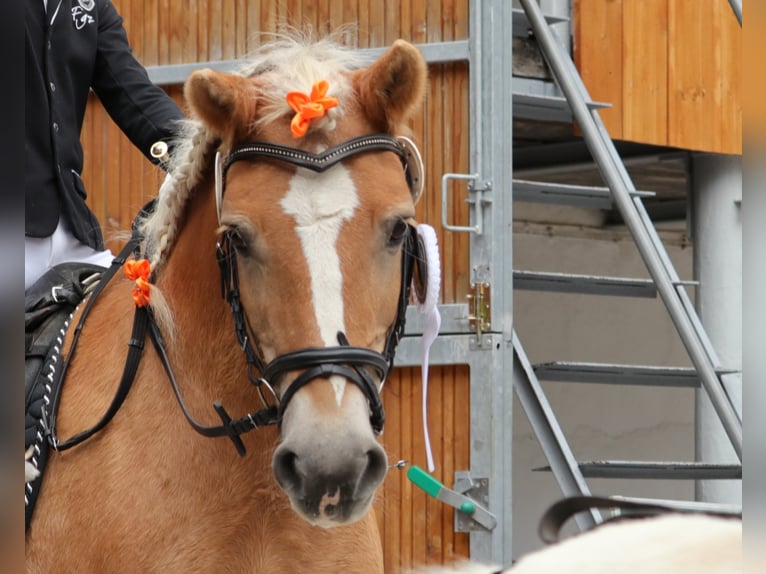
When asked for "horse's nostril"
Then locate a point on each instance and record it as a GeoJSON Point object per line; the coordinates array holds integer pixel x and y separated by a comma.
{"type": "Point", "coordinates": [377, 466]}
{"type": "Point", "coordinates": [285, 470]}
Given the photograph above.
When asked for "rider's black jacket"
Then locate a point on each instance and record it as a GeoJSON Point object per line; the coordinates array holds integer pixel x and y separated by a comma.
{"type": "Point", "coordinates": [76, 46]}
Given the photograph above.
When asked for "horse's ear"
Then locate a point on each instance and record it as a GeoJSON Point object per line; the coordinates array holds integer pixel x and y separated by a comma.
{"type": "Point", "coordinates": [224, 102]}
{"type": "Point", "coordinates": [393, 86]}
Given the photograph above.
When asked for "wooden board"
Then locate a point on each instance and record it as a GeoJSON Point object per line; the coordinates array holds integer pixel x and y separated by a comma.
{"type": "Point", "coordinates": [672, 70]}
{"type": "Point", "coordinates": [597, 53]}
{"type": "Point", "coordinates": [645, 71]}
{"type": "Point", "coordinates": [417, 529]}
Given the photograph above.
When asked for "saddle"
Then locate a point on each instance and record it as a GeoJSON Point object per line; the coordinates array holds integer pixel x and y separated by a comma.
{"type": "Point", "coordinates": [48, 308]}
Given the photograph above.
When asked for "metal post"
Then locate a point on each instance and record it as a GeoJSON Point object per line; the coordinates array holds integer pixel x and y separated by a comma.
{"type": "Point", "coordinates": [491, 121]}
{"type": "Point", "coordinates": [716, 221]}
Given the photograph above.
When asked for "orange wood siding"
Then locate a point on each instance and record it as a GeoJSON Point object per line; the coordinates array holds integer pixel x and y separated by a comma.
{"type": "Point", "coordinates": [679, 78]}
{"type": "Point", "coordinates": [598, 55]}
{"type": "Point", "coordinates": [416, 529]}
{"type": "Point", "coordinates": [645, 72]}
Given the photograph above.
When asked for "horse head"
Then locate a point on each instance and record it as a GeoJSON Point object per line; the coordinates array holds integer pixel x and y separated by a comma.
{"type": "Point", "coordinates": [315, 195]}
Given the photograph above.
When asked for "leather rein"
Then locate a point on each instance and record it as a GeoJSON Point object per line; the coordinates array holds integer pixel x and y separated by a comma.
{"type": "Point", "coordinates": [353, 363]}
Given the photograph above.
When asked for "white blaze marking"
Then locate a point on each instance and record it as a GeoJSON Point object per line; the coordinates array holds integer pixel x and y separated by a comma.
{"type": "Point", "coordinates": [320, 203]}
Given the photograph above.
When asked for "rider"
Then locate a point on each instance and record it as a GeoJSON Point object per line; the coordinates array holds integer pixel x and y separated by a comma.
{"type": "Point", "coordinates": [73, 46]}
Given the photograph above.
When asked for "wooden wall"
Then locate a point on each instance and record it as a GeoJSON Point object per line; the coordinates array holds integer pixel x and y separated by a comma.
{"type": "Point", "coordinates": [416, 529]}
{"type": "Point", "coordinates": [672, 70]}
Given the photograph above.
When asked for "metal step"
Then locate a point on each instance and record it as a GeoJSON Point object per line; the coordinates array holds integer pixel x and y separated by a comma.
{"type": "Point", "coordinates": [657, 470]}
{"type": "Point", "coordinates": [546, 108]}
{"type": "Point", "coordinates": [563, 194]}
{"type": "Point", "coordinates": [587, 284]}
{"type": "Point", "coordinates": [603, 373]}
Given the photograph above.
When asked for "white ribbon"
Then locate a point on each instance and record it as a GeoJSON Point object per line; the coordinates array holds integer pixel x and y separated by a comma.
{"type": "Point", "coordinates": [429, 307]}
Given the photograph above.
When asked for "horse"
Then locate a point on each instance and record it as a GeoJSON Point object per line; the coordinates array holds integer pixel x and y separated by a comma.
{"type": "Point", "coordinates": [291, 192]}
{"type": "Point", "coordinates": [670, 544]}
{"type": "Point", "coordinates": [675, 543]}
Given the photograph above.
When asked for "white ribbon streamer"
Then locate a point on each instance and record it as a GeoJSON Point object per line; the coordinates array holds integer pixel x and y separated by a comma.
{"type": "Point", "coordinates": [429, 307]}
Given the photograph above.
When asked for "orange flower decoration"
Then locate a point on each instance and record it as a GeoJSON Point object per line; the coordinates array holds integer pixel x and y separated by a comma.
{"type": "Point", "coordinates": [138, 270]}
{"type": "Point", "coordinates": [307, 108]}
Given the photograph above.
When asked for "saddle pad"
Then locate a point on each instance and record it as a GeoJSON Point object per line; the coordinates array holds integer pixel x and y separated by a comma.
{"type": "Point", "coordinates": [43, 382]}
{"type": "Point", "coordinates": [49, 305]}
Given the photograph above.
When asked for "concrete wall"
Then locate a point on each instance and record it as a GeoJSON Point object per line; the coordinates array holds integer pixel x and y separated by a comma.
{"type": "Point", "coordinates": [601, 421]}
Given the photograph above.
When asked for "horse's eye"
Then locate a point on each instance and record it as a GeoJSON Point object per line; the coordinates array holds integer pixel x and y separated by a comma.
{"type": "Point", "coordinates": [397, 233]}
{"type": "Point", "coordinates": [239, 241]}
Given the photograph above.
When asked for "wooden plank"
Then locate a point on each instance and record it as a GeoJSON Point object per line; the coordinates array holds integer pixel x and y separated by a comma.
{"type": "Point", "coordinates": [150, 30]}
{"type": "Point", "coordinates": [376, 23]}
{"type": "Point", "coordinates": [729, 122]}
{"type": "Point", "coordinates": [203, 30]}
{"type": "Point", "coordinates": [336, 19]}
{"type": "Point", "coordinates": [174, 31]}
{"type": "Point", "coordinates": [363, 23]}
{"type": "Point", "coordinates": [215, 30]}
{"type": "Point", "coordinates": [689, 73]}
{"type": "Point", "coordinates": [645, 71]}
{"type": "Point", "coordinates": [228, 29]}
{"type": "Point", "coordinates": [388, 508]}
{"type": "Point", "coordinates": [240, 27]}
{"type": "Point", "coordinates": [269, 16]}
{"type": "Point", "coordinates": [434, 514]}
{"type": "Point", "coordinates": [704, 76]}
{"type": "Point", "coordinates": [415, 29]}
{"type": "Point", "coordinates": [294, 13]}
{"type": "Point", "coordinates": [164, 25]}
{"type": "Point", "coordinates": [351, 15]}
{"type": "Point", "coordinates": [189, 33]}
{"type": "Point", "coordinates": [127, 185]}
{"type": "Point", "coordinates": [598, 55]}
{"type": "Point", "coordinates": [392, 23]}
{"type": "Point", "coordinates": [310, 13]}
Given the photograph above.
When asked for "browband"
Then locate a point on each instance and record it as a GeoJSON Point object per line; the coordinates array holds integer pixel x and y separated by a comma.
{"type": "Point", "coordinates": [318, 162]}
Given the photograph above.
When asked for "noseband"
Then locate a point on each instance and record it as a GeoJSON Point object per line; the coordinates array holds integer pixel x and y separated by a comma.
{"type": "Point", "coordinates": [353, 363]}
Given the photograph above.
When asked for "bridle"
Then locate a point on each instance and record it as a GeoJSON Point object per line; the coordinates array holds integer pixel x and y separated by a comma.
{"type": "Point", "coordinates": [352, 363]}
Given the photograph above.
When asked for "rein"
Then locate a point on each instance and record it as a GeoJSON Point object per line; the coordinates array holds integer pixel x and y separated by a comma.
{"type": "Point", "coordinates": [135, 344]}
{"type": "Point", "coordinates": [352, 363]}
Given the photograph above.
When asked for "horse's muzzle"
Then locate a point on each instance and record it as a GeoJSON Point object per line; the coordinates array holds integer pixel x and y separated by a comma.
{"type": "Point", "coordinates": [330, 486]}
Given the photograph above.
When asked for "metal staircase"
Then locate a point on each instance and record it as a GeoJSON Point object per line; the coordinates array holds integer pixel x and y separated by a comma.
{"type": "Point", "coordinates": [707, 372]}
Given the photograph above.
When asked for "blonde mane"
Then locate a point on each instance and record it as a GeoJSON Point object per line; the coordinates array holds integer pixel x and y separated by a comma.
{"type": "Point", "coordinates": [289, 63]}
